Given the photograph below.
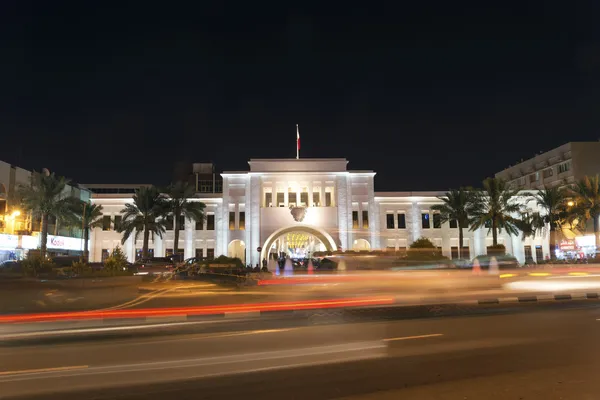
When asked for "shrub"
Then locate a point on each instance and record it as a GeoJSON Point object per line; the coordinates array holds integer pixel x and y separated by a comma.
{"type": "Point", "coordinates": [498, 249]}
{"type": "Point", "coordinates": [116, 262]}
{"type": "Point", "coordinates": [423, 249]}
{"type": "Point", "coordinates": [422, 243]}
{"type": "Point", "coordinates": [34, 265]}
{"type": "Point", "coordinates": [80, 268]}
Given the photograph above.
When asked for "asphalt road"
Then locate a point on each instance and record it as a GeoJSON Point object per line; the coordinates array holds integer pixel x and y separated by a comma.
{"type": "Point", "coordinates": [549, 354]}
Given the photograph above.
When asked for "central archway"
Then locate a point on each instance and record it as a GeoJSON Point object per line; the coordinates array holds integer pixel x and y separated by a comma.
{"type": "Point", "coordinates": [320, 234]}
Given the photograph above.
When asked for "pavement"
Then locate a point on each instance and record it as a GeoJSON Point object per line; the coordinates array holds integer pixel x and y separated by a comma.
{"type": "Point", "coordinates": [539, 353]}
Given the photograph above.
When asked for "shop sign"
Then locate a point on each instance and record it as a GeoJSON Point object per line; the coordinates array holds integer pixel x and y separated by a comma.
{"type": "Point", "coordinates": [8, 241]}
{"type": "Point", "coordinates": [567, 245]}
{"type": "Point", "coordinates": [64, 243]}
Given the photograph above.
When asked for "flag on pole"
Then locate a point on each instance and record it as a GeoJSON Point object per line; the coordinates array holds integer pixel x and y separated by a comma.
{"type": "Point", "coordinates": [297, 142]}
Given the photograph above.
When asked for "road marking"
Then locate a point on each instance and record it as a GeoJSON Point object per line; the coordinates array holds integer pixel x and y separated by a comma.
{"type": "Point", "coordinates": [41, 370]}
{"type": "Point", "coordinates": [413, 337]}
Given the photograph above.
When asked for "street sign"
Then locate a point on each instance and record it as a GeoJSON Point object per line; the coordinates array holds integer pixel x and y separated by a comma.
{"type": "Point", "coordinates": [259, 248]}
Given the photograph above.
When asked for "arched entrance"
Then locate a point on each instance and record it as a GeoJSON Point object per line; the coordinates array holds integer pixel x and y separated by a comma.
{"type": "Point", "coordinates": [311, 233]}
{"type": "Point", "coordinates": [237, 249]}
{"type": "Point", "coordinates": [361, 245]}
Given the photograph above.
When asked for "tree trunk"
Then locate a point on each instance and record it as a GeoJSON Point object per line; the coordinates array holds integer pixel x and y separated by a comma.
{"type": "Point", "coordinates": [494, 233]}
{"type": "Point", "coordinates": [552, 242]}
{"type": "Point", "coordinates": [86, 237]}
{"type": "Point", "coordinates": [44, 235]}
{"type": "Point", "coordinates": [596, 232]}
{"type": "Point", "coordinates": [460, 242]}
{"type": "Point", "coordinates": [175, 235]}
{"type": "Point", "coordinates": [145, 244]}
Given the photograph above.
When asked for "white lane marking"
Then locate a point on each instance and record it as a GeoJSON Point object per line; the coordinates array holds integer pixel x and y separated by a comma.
{"type": "Point", "coordinates": [41, 370]}
{"type": "Point", "coordinates": [413, 337]}
{"type": "Point", "coordinates": [377, 348]}
{"type": "Point", "coordinates": [104, 329]}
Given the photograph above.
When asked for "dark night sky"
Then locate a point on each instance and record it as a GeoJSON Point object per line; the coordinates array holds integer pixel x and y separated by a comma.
{"type": "Point", "coordinates": [430, 95]}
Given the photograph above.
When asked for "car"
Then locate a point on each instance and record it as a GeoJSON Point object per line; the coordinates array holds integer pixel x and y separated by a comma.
{"type": "Point", "coordinates": [10, 266]}
{"type": "Point", "coordinates": [153, 266]}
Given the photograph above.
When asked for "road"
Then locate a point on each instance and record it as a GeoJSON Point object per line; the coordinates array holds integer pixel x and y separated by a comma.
{"type": "Point", "coordinates": [549, 353]}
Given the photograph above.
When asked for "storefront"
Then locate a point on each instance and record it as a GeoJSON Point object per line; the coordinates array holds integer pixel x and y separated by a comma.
{"type": "Point", "coordinates": [9, 247]}
{"type": "Point", "coordinates": [578, 248]}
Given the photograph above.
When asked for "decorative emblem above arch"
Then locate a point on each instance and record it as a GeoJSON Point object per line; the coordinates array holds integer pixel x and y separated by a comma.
{"type": "Point", "coordinates": [298, 213]}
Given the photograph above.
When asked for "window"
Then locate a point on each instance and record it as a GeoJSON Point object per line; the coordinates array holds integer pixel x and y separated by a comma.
{"type": "Point", "coordinates": [169, 223]}
{"type": "Point", "coordinates": [437, 221]}
{"type": "Point", "coordinates": [389, 221]}
{"type": "Point", "coordinates": [488, 224]}
{"type": "Point", "coordinates": [118, 220]}
{"type": "Point", "coordinates": [181, 222]}
{"type": "Point", "coordinates": [106, 223]}
{"type": "Point", "coordinates": [548, 173]}
{"type": "Point", "coordinates": [453, 224]}
{"type": "Point", "coordinates": [532, 178]}
{"type": "Point", "coordinates": [304, 197]}
{"type": "Point", "coordinates": [316, 198]}
{"type": "Point", "coordinates": [454, 252]}
{"type": "Point", "coordinates": [354, 219]}
{"type": "Point", "coordinates": [268, 199]}
{"type": "Point", "coordinates": [242, 220]}
{"type": "Point", "coordinates": [401, 221]}
{"type": "Point", "coordinates": [539, 254]}
{"type": "Point", "coordinates": [425, 223]}
{"type": "Point", "coordinates": [210, 222]}
{"type": "Point", "coordinates": [105, 254]}
{"type": "Point", "coordinates": [465, 253]}
{"type": "Point", "coordinates": [292, 200]}
{"type": "Point", "coordinates": [200, 225]}
{"type": "Point", "coordinates": [210, 254]}
{"type": "Point", "coordinates": [169, 252]}
{"type": "Point", "coordinates": [328, 197]}
{"type": "Point", "coordinates": [564, 167]}
{"type": "Point", "coordinates": [280, 199]}
{"type": "Point", "coordinates": [365, 219]}
{"type": "Point", "coordinates": [231, 220]}
{"type": "Point", "coordinates": [200, 253]}
{"type": "Point", "coordinates": [528, 256]}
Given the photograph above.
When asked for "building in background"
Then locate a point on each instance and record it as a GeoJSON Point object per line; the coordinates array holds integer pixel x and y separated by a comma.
{"type": "Point", "coordinates": [297, 207]}
{"type": "Point", "coordinates": [560, 166]}
{"type": "Point", "coordinates": [19, 232]}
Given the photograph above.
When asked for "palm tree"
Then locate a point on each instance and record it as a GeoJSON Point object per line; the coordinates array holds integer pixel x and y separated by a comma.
{"type": "Point", "coordinates": [494, 207]}
{"type": "Point", "coordinates": [145, 214]}
{"type": "Point", "coordinates": [455, 208]}
{"type": "Point", "coordinates": [586, 196]}
{"type": "Point", "coordinates": [553, 202]}
{"type": "Point", "coordinates": [45, 196]}
{"type": "Point", "coordinates": [89, 216]}
{"type": "Point", "coordinates": [178, 194]}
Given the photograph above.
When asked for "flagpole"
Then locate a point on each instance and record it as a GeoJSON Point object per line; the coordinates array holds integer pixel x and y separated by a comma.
{"type": "Point", "coordinates": [297, 142]}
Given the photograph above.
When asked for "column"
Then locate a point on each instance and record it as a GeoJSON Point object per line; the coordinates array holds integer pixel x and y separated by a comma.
{"type": "Point", "coordinates": [415, 217]}
{"type": "Point", "coordinates": [341, 192]}
{"type": "Point", "coordinates": [518, 249]}
{"type": "Point", "coordinates": [189, 233]}
{"type": "Point", "coordinates": [159, 245]}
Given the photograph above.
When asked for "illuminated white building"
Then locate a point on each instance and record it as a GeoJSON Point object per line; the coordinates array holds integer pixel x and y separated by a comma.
{"type": "Point", "coordinates": [306, 205]}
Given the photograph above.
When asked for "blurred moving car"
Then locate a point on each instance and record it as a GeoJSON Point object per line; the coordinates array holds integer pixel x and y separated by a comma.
{"type": "Point", "coordinates": [153, 266]}
{"type": "Point", "coordinates": [10, 266]}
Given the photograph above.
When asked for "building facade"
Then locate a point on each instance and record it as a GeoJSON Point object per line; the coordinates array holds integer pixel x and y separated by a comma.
{"type": "Point", "coordinates": [303, 206]}
{"type": "Point", "coordinates": [19, 231]}
{"type": "Point", "coordinates": [560, 166]}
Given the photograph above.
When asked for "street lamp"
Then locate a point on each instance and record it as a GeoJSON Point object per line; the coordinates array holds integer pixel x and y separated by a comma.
{"type": "Point", "coordinates": [570, 203]}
